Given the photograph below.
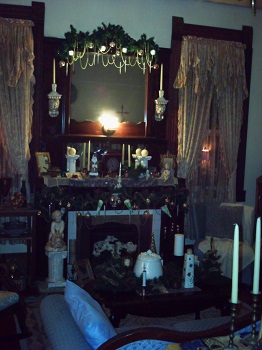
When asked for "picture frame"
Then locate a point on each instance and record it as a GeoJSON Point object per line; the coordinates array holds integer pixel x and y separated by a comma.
{"type": "Point", "coordinates": [43, 161]}
{"type": "Point", "coordinates": [168, 158]}
{"type": "Point", "coordinates": [84, 272]}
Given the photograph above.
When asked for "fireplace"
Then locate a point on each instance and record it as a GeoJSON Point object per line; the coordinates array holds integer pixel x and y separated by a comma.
{"type": "Point", "coordinates": [86, 229]}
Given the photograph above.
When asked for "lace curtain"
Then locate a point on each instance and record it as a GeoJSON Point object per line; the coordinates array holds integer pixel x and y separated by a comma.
{"type": "Point", "coordinates": [212, 87]}
{"type": "Point", "coordinates": [16, 94]}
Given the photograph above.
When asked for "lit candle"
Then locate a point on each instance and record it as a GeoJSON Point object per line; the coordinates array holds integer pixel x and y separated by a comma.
{"type": "Point", "coordinates": [161, 77]}
{"type": "Point", "coordinates": [88, 155]}
{"type": "Point", "coordinates": [144, 277]}
{"type": "Point", "coordinates": [129, 156]}
{"type": "Point", "coordinates": [123, 153]}
{"type": "Point", "coordinates": [234, 292]}
{"type": "Point", "coordinates": [257, 257]}
{"type": "Point", "coordinates": [53, 71]}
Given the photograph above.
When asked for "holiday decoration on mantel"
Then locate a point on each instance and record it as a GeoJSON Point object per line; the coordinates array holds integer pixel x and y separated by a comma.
{"type": "Point", "coordinates": [75, 199]}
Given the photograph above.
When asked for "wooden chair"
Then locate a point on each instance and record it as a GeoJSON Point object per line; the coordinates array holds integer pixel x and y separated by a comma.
{"type": "Point", "coordinates": [11, 304]}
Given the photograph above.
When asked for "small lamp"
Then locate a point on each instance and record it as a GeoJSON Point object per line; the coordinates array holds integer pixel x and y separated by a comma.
{"type": "Point", "coordinates": [109, 124]}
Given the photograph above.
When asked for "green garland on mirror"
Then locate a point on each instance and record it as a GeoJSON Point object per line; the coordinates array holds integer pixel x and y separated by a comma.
{"type": "Point", "coordinates": [112, 36]}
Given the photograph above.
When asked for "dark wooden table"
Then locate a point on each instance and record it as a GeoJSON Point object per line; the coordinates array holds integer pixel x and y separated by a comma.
{"type": "Point", "coordinates": [181, 302]}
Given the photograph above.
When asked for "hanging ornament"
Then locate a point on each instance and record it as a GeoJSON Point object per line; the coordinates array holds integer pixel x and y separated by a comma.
{"type": "Point", "coordinates": [88, 215]}
{"type": "Point", "coordinates": [99, 206]}
{"type": "Point", "coordinates": [79, 214]}
{"type": "Point", "coordinates": [128, 204]}
{"type": "Point", "coordinates": [165, 209]}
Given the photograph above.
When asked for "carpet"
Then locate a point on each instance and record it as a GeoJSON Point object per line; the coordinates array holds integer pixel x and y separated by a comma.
{"type": "Point", "coordinates": [39, 341]}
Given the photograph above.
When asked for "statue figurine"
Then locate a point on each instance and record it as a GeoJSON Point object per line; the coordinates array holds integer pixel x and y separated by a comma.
{"type": "Point", "coordinates": [167, 173]}
{"type": "Point", "coordinates": [56, 236]}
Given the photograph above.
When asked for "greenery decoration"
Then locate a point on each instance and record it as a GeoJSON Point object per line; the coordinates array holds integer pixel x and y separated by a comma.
{"type": "Point", "coordinates": [113, 37]}
{"type": "Point", "coordinates": [209, 269]}
{"type": "Point", "coordinates": [68, 198]}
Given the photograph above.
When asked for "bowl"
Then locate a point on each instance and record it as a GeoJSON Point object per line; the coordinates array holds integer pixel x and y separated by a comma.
{"type": "Point", "coordinates": [151, 262]}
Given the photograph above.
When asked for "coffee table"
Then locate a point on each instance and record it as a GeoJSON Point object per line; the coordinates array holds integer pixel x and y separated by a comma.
{"type": "Point", "coordinates": [181, 302]}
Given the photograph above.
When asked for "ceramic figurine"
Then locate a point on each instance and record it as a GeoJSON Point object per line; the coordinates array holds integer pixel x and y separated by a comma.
{"type": "Point", "coordinates": [56, 236]}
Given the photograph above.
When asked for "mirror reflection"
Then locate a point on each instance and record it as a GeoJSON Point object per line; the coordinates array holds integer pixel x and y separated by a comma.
{"type": "Point", "coordinates": [97, 90]}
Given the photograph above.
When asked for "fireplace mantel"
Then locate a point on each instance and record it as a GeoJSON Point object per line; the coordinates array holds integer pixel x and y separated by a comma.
{"type": "Point", "coordinates": [107, 182]}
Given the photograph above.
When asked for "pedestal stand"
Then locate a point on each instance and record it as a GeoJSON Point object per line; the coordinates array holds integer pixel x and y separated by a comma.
{"type": "Point", "coordinates": [56, 268]}
{"type": "Point", "coordinates": [231, 344]}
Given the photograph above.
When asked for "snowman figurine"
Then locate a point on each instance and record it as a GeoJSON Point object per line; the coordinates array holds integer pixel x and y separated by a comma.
{"type": "Point", "coordinates": [94, 166]}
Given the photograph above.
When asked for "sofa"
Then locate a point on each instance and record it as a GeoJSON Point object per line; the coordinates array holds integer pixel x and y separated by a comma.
{"type": "Point", "coordinates": [64, 333]}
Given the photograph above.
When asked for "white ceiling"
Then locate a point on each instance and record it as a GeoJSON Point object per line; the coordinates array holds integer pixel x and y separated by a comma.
{"type": "Point", "coordinates": [245, 3]}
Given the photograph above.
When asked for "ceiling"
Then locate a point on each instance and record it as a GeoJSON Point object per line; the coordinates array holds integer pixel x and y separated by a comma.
{"type": "Point", "coordinates": [245, 3]}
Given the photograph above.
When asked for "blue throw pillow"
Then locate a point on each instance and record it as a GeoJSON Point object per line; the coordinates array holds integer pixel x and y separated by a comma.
{"type": "Point", "coordinates": [88, 315]}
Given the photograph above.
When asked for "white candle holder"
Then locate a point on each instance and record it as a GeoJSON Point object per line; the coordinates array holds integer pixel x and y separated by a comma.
{"type": "Point", "coordinates": [160, 103]}
{"type": "Point", "coordinates": [140, 160]}
{"type": "Point", "coordinates": [71, 163]}
{"type": "Point", "coordinates": [54, 102]}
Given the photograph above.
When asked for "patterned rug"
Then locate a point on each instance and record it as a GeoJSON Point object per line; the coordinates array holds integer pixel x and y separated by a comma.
{"type": "Point", "coordinates": [38, 340]}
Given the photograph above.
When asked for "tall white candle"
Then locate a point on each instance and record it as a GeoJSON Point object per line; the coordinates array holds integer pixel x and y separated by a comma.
{"type": "Point", "coordinates": [161, 77]}
{"type": "Point", "coordinates": [53, 71]}
{"type": "Point", "coordinates": [84, 156]}
{"type": "Point", "coordinates": [123, 153]}
{"type": "Point", "coordinates": [144, 277]}
{"type": "Point", "coordinates": [129, 156]}
{"type": "Point", "coordinates": [257, 257]}
{"type": "Point", "coordinates": [88, 155]}
{"type": "Point", "coordinates": [120, 170]}
{"type": "Point", "coordinates": [234, 291]}
{"type": "Point", "coordinates": [179, 244]}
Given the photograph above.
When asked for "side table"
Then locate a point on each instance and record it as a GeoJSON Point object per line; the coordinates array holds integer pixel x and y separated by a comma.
{"type": "Point", "coordinates": [28, 237]}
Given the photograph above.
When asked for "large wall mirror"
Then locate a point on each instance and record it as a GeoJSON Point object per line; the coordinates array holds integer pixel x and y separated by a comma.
{"type": "Point", "coordinates": [98, 89]}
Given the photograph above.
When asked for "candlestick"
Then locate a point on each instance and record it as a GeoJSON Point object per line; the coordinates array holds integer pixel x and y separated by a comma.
{"type": "Point", "coordinates": [144, 277]}
{"type": "Point", "coordinates": [88, 155]}
{"type": "Point", "coordinates": [123, 153]}
{"type": "Point", "coordinates": [53, 71]}
{"type": "Point", "coordinates": [129, 156]}
{"type": "Point", "coordinates": [234, 292]}
{"type": "Point", "coordinates": [161, 77]}
{"type": "Point", "coordinates": [257, 257]}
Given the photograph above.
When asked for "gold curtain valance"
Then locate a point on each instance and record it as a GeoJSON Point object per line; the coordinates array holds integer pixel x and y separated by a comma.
{"type": "Point", "coordinates": [15, 22]}
{"type": "Point", "coordinates": [223, 61]}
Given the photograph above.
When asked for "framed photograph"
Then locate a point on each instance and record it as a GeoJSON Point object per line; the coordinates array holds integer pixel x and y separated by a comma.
{"type": "Point", "coordinates": [169, 159]}
{"type": "Point", "coordinates": [84, 272]}
{"type": "Point", "coordinates": [43, 161]}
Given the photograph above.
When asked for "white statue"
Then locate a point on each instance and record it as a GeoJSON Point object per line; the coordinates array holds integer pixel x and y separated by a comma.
{"type": "Point", "coordinates": [56, 236]}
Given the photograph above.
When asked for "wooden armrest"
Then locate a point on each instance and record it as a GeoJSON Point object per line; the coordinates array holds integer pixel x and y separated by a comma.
{"type": "Point", "coordinates": [173, 336]}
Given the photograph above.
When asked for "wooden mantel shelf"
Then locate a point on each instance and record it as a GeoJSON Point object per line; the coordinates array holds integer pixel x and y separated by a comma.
{"type": "Point", "coordinates": [95, 182]}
